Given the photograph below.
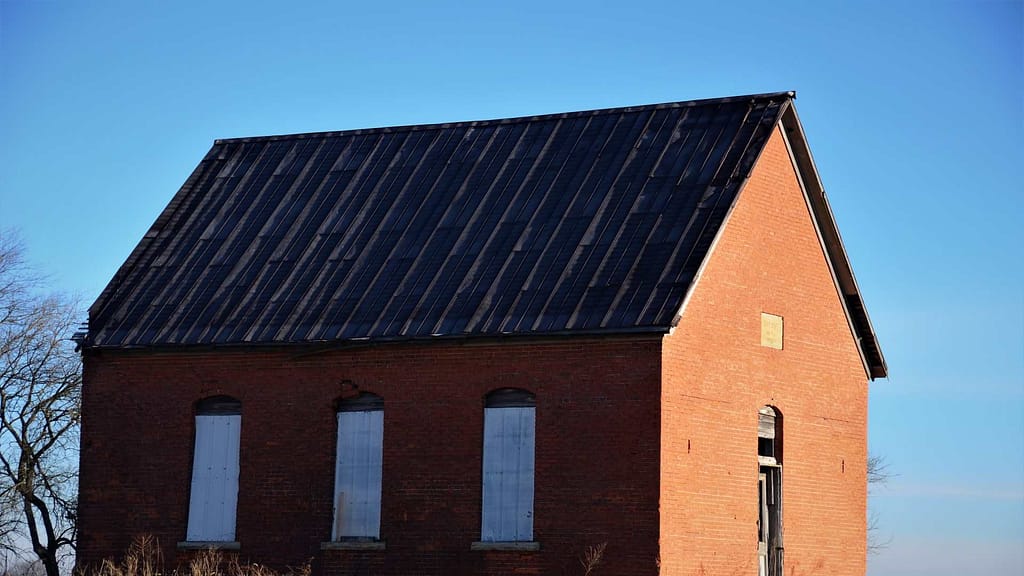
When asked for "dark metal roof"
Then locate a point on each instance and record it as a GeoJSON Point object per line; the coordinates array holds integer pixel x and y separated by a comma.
{"type": "Point", "coordinates": [589, 221]}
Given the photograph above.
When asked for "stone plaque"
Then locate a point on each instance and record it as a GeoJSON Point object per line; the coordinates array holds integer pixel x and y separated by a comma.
{"type": "Point", "coordinates": [771, 331]}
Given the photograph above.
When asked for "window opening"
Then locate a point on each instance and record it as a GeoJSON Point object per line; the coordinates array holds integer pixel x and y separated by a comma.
{"type": "Point", "coordinates": [358, 468]}
{"type": "Point", "coordinates": [769, 493]}
{"type": "Point", "coordinates": [213, 498]}
{"type": "Point", "coordinates": [508, 466]}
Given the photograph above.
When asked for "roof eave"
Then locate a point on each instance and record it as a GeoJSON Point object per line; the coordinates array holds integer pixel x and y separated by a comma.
{"type": "Point", "coordinates": [871, 352]}
{"type": "Point", "coordinates": [324, 345]}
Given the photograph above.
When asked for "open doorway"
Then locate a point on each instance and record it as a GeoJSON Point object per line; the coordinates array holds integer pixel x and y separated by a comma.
{"type": "Point", "coordinates": [769, 493]}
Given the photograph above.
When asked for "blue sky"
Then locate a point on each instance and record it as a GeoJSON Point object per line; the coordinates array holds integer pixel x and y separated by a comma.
{"type": "Point", "coordinates": [914, 111]}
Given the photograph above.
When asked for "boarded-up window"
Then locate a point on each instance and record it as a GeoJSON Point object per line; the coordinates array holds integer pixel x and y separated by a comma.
{"type": "Point", "coordinates": [508, 467]}
{"type": "Point", "coordinates": [214, 495]}
{"type": "Point", "coordinates": [357, 477]}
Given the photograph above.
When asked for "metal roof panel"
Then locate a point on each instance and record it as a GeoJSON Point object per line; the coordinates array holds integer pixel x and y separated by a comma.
{"type": "Point", "coordinates": [593, 220]}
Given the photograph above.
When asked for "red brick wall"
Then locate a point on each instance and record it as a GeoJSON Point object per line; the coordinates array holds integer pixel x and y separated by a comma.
{"type": "Point", "coordinates": [768, 259]}
{"type": "Point", "coordinates": [597, 451]}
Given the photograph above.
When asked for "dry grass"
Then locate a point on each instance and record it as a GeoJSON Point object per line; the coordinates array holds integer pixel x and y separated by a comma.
{"type": "Point", "coordinates": [144, 558]}
{"type": "Point", "coordinates": [592, 558]}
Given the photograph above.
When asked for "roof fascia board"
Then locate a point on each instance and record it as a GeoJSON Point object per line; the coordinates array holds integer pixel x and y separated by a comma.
{"type": "Point", "coordinates": [788, 105]}
{"type": "Point", "coordinates": [828, 235]}
{"type": "Point", "coordinates": [313, 348]}
{"type": "Point", "coordinates": [828, 258]}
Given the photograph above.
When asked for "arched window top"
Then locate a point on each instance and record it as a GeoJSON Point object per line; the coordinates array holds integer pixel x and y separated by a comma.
{"type": "Point", "coordinates": [510, 398]}
{"type": "Point", "coordinates": [767, 418]}
{"type": "Point", "coordinates": [769, 422]}
{"type": "Point", "coordinates": [218, 405]}
{"type": "Point", "coordinates": [364, 402]}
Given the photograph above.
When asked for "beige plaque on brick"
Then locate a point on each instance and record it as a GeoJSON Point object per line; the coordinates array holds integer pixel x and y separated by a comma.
{"type": "Point", "coordinates": [771, 331]}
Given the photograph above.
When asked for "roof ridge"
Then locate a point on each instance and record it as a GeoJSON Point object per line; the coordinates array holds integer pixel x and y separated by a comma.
{"type": "Point", "coordinates": [512, 120]}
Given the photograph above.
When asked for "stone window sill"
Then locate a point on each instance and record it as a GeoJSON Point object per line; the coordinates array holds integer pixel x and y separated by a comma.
{"type": "Point", "coordinates": [209, 545]}
{"type": "Point", "coordinates": [510, 546]}
{"type": "Point", "coordinates": [354, 545]}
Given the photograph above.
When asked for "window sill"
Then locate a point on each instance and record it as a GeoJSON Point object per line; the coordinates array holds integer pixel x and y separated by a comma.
{"type": "Point", "coordinates": [209, 545]}
{"type": "Point", "coordinates": [510, 546]}
{"type": "Point", "coordinates": [354, 545]}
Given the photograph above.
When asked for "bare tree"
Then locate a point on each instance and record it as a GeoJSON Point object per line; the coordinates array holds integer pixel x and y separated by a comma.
{"type": "Point", "coordinates": [20, 567]}
{"type": "Point", "coordinates": [878, 470]}
{"type": "Point", "coordinates": [40, 385]}
{"type": "Point", "coordinates": [878, 473]}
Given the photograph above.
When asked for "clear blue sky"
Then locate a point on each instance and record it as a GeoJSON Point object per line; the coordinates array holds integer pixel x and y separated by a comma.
{"type": "Point", "coordinates": [914, 111]}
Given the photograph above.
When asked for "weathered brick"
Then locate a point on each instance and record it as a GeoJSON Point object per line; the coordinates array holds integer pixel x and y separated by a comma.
{"type": "Point", "coordinates": [137, 447]}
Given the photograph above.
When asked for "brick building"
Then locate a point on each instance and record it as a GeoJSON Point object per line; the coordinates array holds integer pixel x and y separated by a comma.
{"type": "Point", "coordinates": [483, 347]}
